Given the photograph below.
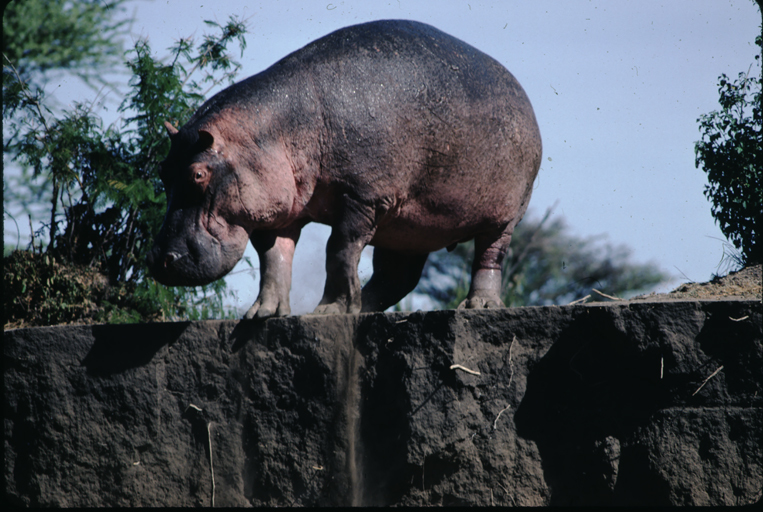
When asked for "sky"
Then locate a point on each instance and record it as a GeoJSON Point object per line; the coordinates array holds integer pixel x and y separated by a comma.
{"type": "Point", "coordinates": [617, 88]}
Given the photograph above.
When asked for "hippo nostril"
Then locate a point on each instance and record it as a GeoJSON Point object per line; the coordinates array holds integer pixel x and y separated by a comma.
{"type": "Point", "coordinates": [171, 258]}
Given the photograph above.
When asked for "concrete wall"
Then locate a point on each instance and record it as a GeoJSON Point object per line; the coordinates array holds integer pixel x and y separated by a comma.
{"type": "Point", "coordinates": [579, 405]}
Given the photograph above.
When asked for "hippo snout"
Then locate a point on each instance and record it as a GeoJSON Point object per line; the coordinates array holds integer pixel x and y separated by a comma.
{"type": "Point", "coordinates": [170, 258]}
{"type": "Point", "coordinates": [193, 260]}
{"type": "Point", "coordinates": [166, 265]}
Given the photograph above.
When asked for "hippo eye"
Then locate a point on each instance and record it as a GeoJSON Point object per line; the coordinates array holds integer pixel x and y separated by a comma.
{"type": "Point", "coordinates": [200, 176]}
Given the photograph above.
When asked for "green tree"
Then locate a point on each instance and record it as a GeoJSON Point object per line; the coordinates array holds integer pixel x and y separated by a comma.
{"type": "Point", "coordinates": [106, 184]}
{"type": "Point", "coordinates": [45, 36]}
{"type": "Point", "coordinates": [731, 153]}
{"type": "Point", "coordinates": [545, 265]}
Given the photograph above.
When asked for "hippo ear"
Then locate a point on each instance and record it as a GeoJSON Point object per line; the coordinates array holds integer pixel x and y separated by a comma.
{"type": "Point", "coordinates": [171, 130]}
{"type": "Point", "coordinates": [206, 141]}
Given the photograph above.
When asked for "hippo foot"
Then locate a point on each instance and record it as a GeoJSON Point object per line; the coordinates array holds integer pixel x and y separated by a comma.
{"type": "Point", "coordinates": [481, 302]}
{"type": "Point", "coordinates": [268, 309]}
{"type": "Point", "coordinates": [335, 308]}
{"type": "Point", "coordinates": [328, 309]}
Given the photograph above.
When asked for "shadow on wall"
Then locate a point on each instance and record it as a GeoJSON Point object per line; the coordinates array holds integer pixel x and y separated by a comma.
{"type": "Point", "coordinates": [592, 403]}
{"type": "Point", "coordinates": [115, 351]}
{"type": "Point", "coordinates": [605, 388]}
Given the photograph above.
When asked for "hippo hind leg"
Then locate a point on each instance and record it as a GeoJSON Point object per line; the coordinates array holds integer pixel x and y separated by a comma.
{"type": "Point", "coordinates": [395, 275]}
{"type": "Point", "coordinates": [489, 252]}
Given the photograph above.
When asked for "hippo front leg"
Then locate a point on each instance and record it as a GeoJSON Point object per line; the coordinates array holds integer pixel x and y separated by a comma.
{"type": "Point", "coordinates": [348, 239]}
{"type": "Point", "coordinates": [276, 252]}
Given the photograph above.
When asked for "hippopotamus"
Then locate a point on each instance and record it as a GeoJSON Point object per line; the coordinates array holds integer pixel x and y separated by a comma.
{"type": "Point", "coordinates": [393, 133]}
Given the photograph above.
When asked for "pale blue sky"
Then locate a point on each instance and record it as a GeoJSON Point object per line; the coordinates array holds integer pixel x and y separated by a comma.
{"type": "Point", "coordinates": [617, 88]}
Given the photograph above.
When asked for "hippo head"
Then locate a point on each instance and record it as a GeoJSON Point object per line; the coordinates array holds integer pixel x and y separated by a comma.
{"type": "Point", "coordinates": [203, 234]}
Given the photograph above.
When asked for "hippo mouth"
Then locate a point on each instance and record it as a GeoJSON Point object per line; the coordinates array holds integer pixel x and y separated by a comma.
{"type": "Point", "coordinates": [193, 261]}
{"type": "Point", "coordinates": [172, 271]}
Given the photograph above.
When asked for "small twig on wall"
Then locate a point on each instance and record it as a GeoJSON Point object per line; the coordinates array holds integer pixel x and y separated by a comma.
{"type": "Point", "coordinates": [499, 415]}
{"type": "Point", "coordinates": [209, 440]}
{"type": "Point", "coordinates": [707, 379]}
{"type": "Point", "coordinates": [605, 295]}
{"type": "Point", "coordinates": [211, 467]}
{"type": "Point", "coordinates": [579, 300]}
{"type": "Point", "coordinates": [511, 377]}
{"type": "Point", "coordinates": [739, 319]}
{"type": "Point", "coordinates": [513, 503]}
{"type": "Point", "coordinates": [464, 368]}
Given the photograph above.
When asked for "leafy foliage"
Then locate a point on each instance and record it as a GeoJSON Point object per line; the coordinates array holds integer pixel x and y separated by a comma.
{"type": "Point", "coordinates": [731, 153]}
{"type": "Point", "coordinates": [79, 36]}
{"type": "Point", "coordinates": [105, 179]}
{"type": "Point", "coordinates": [545, 266]}
{"type": "Point", "coordinates": [39, 289]}
{"type": "Point", "coordinates": [42, 291]}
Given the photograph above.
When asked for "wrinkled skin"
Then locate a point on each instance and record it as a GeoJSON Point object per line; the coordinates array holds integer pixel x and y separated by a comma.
{"type": "Point", "coordinates": [391, 132]}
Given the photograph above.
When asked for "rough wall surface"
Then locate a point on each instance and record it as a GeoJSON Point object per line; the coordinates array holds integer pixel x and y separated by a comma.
{"type": "Point", "coordinates": [595, 404]}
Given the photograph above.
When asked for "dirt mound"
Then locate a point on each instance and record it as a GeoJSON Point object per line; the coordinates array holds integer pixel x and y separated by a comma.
{"type": "Point", "coordinates": [742, 285]}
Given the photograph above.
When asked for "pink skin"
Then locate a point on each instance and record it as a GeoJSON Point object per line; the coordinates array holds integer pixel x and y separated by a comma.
{"type": "Point", "coordinates": [286, 205]}
{"type": "Point", "coordinates": [439, 148]}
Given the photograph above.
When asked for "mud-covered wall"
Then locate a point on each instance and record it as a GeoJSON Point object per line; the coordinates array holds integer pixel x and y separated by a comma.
{"type": "Point", "coordinates": [621, 403]}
